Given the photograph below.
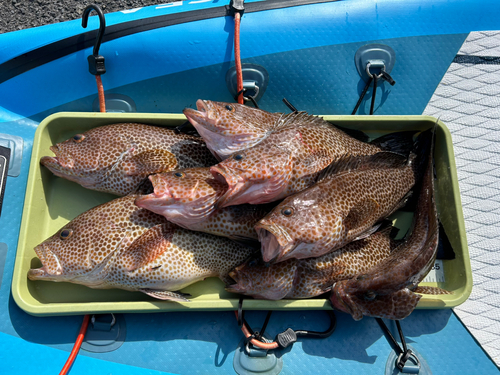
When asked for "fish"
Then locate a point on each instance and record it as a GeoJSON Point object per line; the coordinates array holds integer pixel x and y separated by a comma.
{"type": "Point", "coordinates": [187, 198]}
{"type": "Point", "coordinates": [120, 245]}
{"type": "Point", "coordinates": [231, 127]}
{"type": "Point", "coordinates": [307, 278]}
{"type": "Point", "coordinates": [117, 158]}
{"type": "Point", "coordinates": [390, 289]}
{"type": "Point", "coordinates": [346, 205]}
{"type": "Point", "coordinates": [286, 162]}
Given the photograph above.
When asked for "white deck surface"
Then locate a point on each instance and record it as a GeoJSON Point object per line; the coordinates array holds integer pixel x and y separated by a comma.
{"type": "Point", "coordinates": [468, 101]}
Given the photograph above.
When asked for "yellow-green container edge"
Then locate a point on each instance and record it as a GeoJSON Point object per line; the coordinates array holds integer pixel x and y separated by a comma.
{"type": "Point", "coordinates": [50, 202]}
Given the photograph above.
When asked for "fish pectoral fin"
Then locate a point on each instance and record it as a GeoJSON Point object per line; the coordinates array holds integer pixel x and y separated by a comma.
{"type": "Point", "coordinates": [147, 247]}
{"type": "Point", "coordinates": [431, 290]}
{"type": "Point", "coordinates": [166, 296]}
{"type": "Point", "coordinates": [317, 161]}
{"type": "Point", "coordinates": [324, 276]}
{"type": "Point", "coordinates": [368, 232]}
{"type": "Point", "coordinates": [359, 216]}
{"type": "Point", "coordinates": [149, 162]}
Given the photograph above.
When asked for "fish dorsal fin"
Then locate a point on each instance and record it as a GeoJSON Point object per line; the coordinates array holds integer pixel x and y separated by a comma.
{"type": "Point", "coordinates": [298, 118]}
{"type": "Point", "coordinates": [347, 164]}
{"type": "Point", "coordinates": [149, 162]}
{"type": "Point", "coordinates": [147, 247]}
{"type": "Point", "coordinates": [165, 295]}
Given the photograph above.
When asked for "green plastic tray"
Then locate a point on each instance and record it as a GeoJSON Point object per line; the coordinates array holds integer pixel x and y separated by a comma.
{"type": "Point", "coordinates": [51, 202]}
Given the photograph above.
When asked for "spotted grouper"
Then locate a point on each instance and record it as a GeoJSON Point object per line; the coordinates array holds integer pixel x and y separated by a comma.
{"type": "Point", "coordinates": [347, 203]}
{"type": "Point", "coordinates": [286, 162]}
{"type": "Point", "coordinates": [307, 278]}
{"type": "Point", "coordinates": [231, 127]}
{"type": "Point", "coordinates": [389, 289]}
{"type": "Point", "coordinates": [119, 245]}
{"type": "Point", "coordinates": [117, 158]}
{"type": "Point", "coordinates": [187, 198]}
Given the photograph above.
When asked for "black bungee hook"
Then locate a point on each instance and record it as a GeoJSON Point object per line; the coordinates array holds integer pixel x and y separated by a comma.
{"type": "Point", "coordinates": [96, 62]}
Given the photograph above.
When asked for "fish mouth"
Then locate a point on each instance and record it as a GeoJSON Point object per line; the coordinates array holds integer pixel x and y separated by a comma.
{"type": "Point", "coordinates": [157, 200]}
{"type": "Point", "coordinates": [47, 271]}
{"type": "Point", "coordinates": [201, 116]}
{"type": "Point", "coordinates": [275, 241]}
{"type": "Point", "coordinates": [338, 301]}
{"type": "Point", "coordinates": [174, 208]}
{"type": "Point", "coordinates": [161, 188]}
{"type": "Point", "coordinates": [235, 274]}
{"type": "Point", "coordinates": [242, 190]}
{"type": "Point", "coordinates": [242, 281]}
{"type": "Point", "coordinates": [61, 160]}
{"type": "Point", "coordinates": [236, 186]}
{"type": "Point", "coordinates": [152, 202]}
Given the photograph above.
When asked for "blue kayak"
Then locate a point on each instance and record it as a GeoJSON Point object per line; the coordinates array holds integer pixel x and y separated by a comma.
{"type": "Point", "coordinates": [161, 59]}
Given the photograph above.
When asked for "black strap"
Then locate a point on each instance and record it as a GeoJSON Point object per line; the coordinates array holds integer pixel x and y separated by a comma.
{"type": "Point", "coordinates": [403, 353]}
{"type": "Point", "coordinates": [388, 335]}
{"type": "Point", "coordinates": [249, 98]}
{"type": "Point", "coordinates": [290, 105]}
{"type": "Point", "coordinates": [372, 106]}
{"type": "Point", "coordinates": [363, 93]}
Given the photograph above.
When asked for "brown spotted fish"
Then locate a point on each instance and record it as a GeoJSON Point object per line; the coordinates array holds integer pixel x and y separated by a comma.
{"type": "Point", "coordinates": [389, 289]}
{"type": "Point", "coordinates": [286, 162]}
{"type": "Point", "coordinates": [117, 158]}
{"type": "Point", "coordinates": [187, 198]}
{"type": "Point", "coordinates": [307, 278]}
{"type": "Point", "coordinates": [231, 127]}
{"type": "Point", "coordinates": [346, 205]}
{"type": "Point", "coordinates": [119, 245]}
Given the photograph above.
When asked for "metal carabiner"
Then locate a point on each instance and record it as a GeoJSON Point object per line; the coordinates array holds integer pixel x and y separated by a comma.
{"type": "Point", "coordinates": [380, 75]}
{"type": "Point", "coordinates": [102, 24]}
{"type": "Point", "coordinates": [402, 360]}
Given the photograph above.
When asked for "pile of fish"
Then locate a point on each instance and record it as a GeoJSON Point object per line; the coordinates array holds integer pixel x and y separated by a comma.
{"type": "Point", "coordinates": [315, 197]}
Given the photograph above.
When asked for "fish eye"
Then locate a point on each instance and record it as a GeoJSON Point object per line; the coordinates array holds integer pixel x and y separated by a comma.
{"type": "Point", "coordinates": [287, 211]}
{"type": "Point", "coordinates": [370, 296]}
{"type": "Point", "coordinates": [230, 108]}
{"type": "Point", "coordinates": [179, 174]}
{"type": "Point", "coordinates": [65, 233]}
{"type": "Point", "coordinates": [253, 263]}
{"type": "Point", "coordinates": [78, 138]}
{"type": "Point", "coordinates": [239, 157]}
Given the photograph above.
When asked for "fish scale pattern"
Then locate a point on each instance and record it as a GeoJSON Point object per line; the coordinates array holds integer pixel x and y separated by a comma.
{"type": "Point", "coordinates": [468, 101]}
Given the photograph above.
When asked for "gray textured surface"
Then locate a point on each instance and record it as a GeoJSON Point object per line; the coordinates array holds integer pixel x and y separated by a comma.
{"type": "Point", "coordinates": [23, 14]}
{"type": "Point", "coordinates": [467, 100]}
